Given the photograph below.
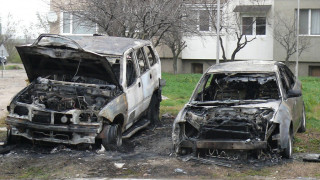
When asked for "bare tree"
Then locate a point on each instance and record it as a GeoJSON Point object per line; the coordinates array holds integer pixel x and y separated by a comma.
{"type": "Point", "coordinates": [43, 23]}
{"type": "Point", "coordinates": [143, 19]}
{"type": "Point", "coordinates": [7, 37]}
{"type": "Point", "coordinates": [174, 40]}
{"type": "Point", "coordinates": [285, 33]}
{"type": "Point", "coordinates": [164, 22]}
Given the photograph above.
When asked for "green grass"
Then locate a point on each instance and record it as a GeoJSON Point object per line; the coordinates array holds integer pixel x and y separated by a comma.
{"type": "Point", "coordinates": [178, 89]}
{"type": "Point", "coordinates": [12, 67]}
{"type": "Point", "coordinates": [35, 173]}
{"type": "Point", "coordinates": [311, 96]}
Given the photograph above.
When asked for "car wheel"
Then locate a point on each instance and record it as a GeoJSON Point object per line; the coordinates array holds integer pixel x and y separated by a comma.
{"type": "Point", "coordinates": [153, 110]}
{"type": "Point", "coordinates": [302, 127]}
{"type": "Point", "coordinates": [287, 152]}
{"type": "Point", "coordinates": [112, 139]}
{"type": "Point", "coordinates": [10, 138]}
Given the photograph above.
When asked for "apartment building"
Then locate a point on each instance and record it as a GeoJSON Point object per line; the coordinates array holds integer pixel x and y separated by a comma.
{"type": "Point", "coordinates": [254, 19]}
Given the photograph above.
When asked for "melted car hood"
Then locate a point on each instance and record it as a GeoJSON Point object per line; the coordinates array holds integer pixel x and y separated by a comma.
{"type": "Point", "coordinates": [40, 61]}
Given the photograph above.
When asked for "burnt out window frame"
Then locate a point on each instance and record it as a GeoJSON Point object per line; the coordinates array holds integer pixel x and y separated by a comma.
{"type": "Point", "coordinates": [291, 79]}
{"type": "Point", "coordinates": [145, 61]}
{"type": "Point", "coordinates": [154, 59]}
{"type": "Point", "coordinates": [284, 82]}
{"type": "Point", "coordinates": [133, 59]}
{"type": "Point", "coordinates": [203, 88]}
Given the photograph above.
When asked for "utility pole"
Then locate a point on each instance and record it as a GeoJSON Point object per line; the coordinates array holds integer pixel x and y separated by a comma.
{"type": "Point", "coordinates": [218, 32]}
{"type": "Point", "coordinates": [298, 32]}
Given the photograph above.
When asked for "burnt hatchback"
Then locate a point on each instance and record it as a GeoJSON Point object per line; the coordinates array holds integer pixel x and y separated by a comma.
{"type": "Point", "coordinates": [86, 90]}
{"type": "Point", "coordinates": [242, 106]}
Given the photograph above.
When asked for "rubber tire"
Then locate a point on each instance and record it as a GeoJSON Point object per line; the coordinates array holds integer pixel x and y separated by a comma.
{"type": "Point", "coordinates": [112, 138]}
{"type": "Point", "coordinates": [287, 152]}
{"type": "Point", "coordinates": [302, 127]}
{"type": "Point", "coordinates": [10, 140]}
{"type": "Point", "coordinates": [154, 110]}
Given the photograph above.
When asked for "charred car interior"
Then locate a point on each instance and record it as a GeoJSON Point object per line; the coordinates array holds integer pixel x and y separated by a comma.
{"type": "Point", "coordinates": [234, 110]}
{"type": "Point", "coordinates": [82, 90]}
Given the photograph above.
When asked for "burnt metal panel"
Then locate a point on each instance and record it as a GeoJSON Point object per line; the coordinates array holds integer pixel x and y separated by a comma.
{"type": "Point", "coordinates": [216, 144]}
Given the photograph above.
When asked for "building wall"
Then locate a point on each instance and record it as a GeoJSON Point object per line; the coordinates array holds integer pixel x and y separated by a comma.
{"type": "Point", "coordinates": [310, 57]}
{"type": "Point", "coordinates": [259, 49]}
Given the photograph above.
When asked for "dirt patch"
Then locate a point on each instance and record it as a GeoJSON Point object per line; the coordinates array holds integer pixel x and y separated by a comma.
{"type": "Point", "coordinates": [148, 154]}
{"type": "Point", "coordinates": [10, 84]}
{"type": "Point", "coordinates": [307, 142]}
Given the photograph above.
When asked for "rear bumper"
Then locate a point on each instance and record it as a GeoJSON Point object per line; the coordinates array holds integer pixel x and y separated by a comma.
{"type": "Point", "coordinates": [68, 134]}
{"type": "Point", "coordinates": [223, 144]}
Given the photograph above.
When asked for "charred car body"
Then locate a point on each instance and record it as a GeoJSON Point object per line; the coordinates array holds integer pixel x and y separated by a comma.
{"type": "Point", "coordinates": [245, 106]}
{"type": "Point", "coordinates": [86, 89]}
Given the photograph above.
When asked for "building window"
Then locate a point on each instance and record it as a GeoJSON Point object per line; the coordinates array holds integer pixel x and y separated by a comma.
{"type": "Point", "coordinates": [204, 20]}
{"type": "Point", "coordinates": [73, 24]}
{"type": "Point", "coordinates": [197, 68]}
{"type": "Point", "coordinates": [254, 25]}
{"type": "Point", "coordinates": [314, 71]}
{"type": "Point", "coordinates": [309, 23]}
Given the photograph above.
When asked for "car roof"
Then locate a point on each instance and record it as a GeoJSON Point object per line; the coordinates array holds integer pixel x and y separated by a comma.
{"type": "Point", "coordinates": [108, 45]}
{"type": "Point", "coordinates": [245, 66]}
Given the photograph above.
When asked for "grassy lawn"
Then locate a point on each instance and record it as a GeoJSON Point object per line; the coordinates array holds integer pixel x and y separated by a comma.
{"type": "Point", "coordinates": [180, 87]}
{"type": "Point", "coordinates": [12, 67]}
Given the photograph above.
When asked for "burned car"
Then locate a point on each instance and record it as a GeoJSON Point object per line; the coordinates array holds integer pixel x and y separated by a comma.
{"type": "Point", "coordinates": [242, 106]}
{"type": "Point", "coordinates": [86, 89]}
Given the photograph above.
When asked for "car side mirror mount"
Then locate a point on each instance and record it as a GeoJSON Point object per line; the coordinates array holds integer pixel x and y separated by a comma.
{"type": "Point", "coordinates": [294, 93]}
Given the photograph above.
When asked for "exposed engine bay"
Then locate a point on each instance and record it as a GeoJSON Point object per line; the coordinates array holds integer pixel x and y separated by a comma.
{"type": "Point", "coordinates": [46, 95]}
{"type": "Point", "coordinates": [228, 123]}
{"type": "Point", "coordinates": [61, 96]}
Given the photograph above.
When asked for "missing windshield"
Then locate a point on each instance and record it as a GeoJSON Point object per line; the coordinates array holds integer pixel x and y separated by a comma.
{"type": "Point", "coordinates": [238, 86]}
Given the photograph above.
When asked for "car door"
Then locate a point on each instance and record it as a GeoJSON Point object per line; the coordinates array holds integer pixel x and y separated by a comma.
{"type": "Point", "coordinates": [155, 68]}
{"type": "Point", "coordinates": [298, 103]}
{"type": "Point", "coordinates": [134, 93]}
{"type": "Point", "coordinates": [288, 84]}
{"type": "Point", "coordinates": [146, 77]}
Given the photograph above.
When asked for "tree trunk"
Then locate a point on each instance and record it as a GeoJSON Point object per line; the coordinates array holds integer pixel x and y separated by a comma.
{"type": "Point", "coordinates": [287, 60]}
{"type": "Point", "coordinates": [175, 63]}
{"type": "Point", "coordinates": [223, 50]}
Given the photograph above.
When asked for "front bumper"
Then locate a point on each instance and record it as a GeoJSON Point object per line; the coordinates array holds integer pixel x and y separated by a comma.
{"type": "Point", "coordinates": [223, 144]}
{"type": "Point", "coordinates": [68, 134]}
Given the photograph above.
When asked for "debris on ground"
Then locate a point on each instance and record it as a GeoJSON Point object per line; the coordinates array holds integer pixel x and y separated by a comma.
{"type": "Point", "coordinates": [168, 116]}
{"type": "Point", "coordinates": [102, 150]}
{"type": "Point", "coordinates": [6, 148]}
{"type": "Point", "coordinates": [206, 161]}
{"type": "Point", "coordinates": [164, 97]}
{"type": "Point", "coordinates": [119, 165]}
{"type": "Point", "coordinates": [312, 158]}
{"type": "Point", "coordinates": [3, 129]}
{"type": "Point", "coordinates": [59, 148]}
{"type": "Point", "coordinates": [178, 170]}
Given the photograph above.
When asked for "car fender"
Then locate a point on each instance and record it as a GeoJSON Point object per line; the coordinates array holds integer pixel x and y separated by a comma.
{"type": "Point", "coordinates": [115, 107]}
{"type": "Point", "coordinates": [283, 117]}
